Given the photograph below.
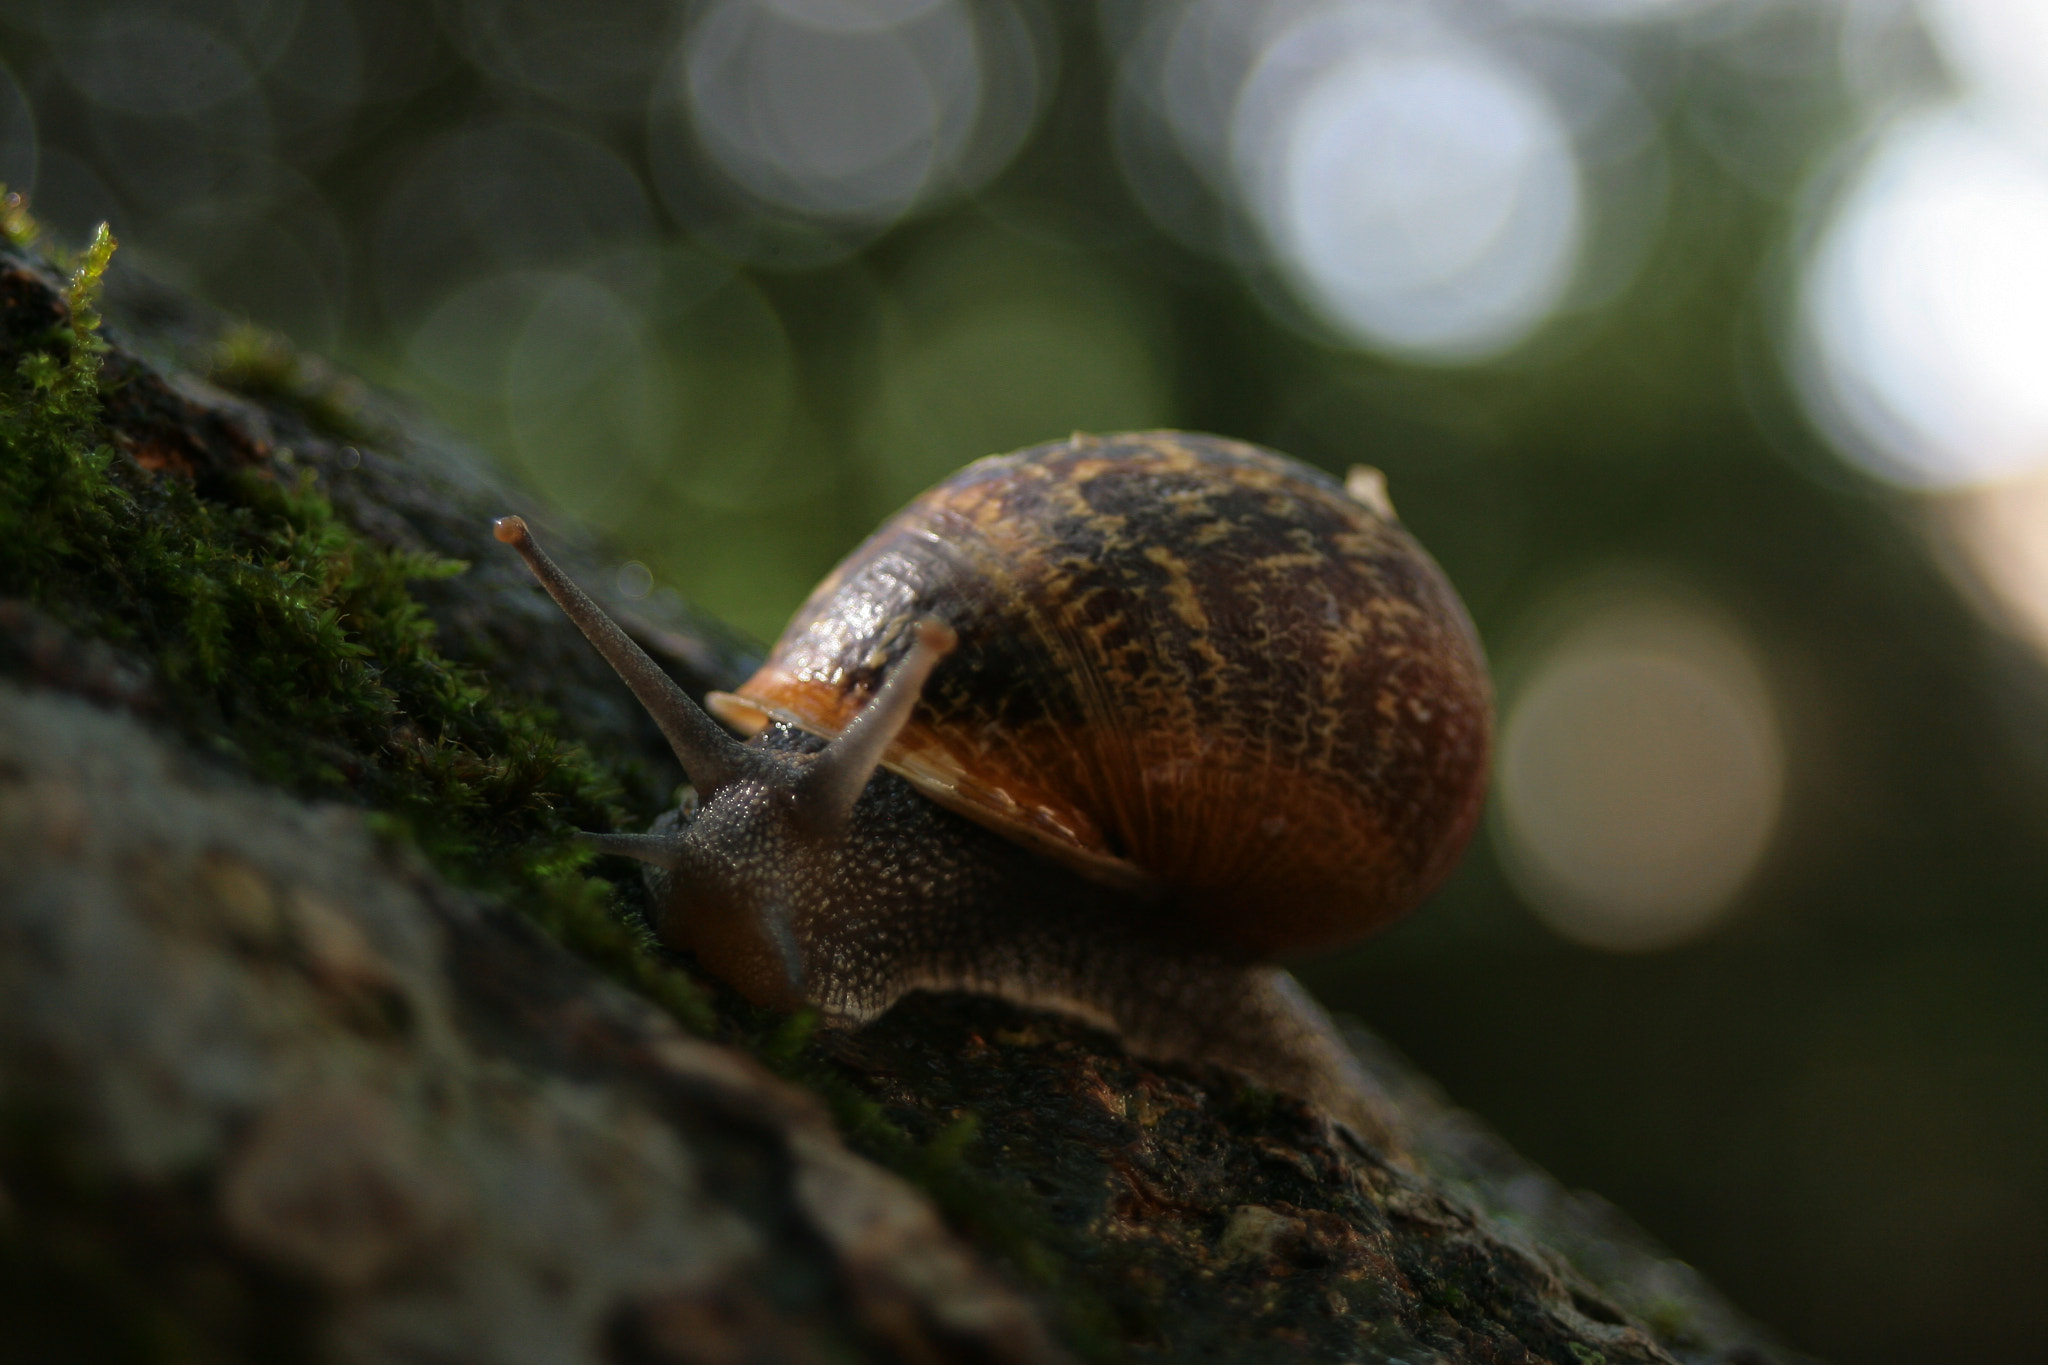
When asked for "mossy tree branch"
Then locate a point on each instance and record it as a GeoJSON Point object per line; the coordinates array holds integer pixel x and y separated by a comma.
{"type": "Point", "coordinates": [284, 574]}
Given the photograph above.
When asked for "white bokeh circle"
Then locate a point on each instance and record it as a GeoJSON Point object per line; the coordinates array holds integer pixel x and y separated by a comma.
{"type": "Point", "coordinates": [1640, 773]}
{"type": "Point", "coordinates": [833, 120]}
{"type": "Point", "coordinates": [1924, 313]}
{"type": "Point", "coordinates": [1422, 196]}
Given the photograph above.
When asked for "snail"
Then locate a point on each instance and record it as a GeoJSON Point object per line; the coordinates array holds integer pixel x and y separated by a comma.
{"type": "Point", "coordinates": [1106, 725]}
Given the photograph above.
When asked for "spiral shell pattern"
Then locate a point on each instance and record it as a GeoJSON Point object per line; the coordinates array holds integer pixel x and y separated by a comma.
{"type": "Point", "coordinates": [1188, 665]}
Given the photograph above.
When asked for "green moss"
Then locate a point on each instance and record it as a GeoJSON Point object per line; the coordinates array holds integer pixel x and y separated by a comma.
{"type": "Point", "coordinates": [1669, 1320]}
{"type": "Point", "coordinates": [1003, 1219]}
{"type": "Point", "coordinates": [250, 360]}
{"type": "Point", "coordinates": [1449, 1298]}
{"type": "Point", "coordinates": [286, 643]}
{"type": "Point", "coordinates": [16, 224]}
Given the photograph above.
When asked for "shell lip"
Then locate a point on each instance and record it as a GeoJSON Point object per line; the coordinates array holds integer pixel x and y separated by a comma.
{"type": "Point", "coordinates": [943, 781]}
{"type": "Point", "coordinates": [748, 717]}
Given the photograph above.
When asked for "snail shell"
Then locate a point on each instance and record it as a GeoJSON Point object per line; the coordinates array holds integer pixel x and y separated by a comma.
{"type": "Point", "coordinates": [1186, 665]}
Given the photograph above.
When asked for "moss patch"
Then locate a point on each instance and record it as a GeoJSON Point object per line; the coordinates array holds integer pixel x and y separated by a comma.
{"type": "Point", "coordinates": [261, 364]}
{"type": "Point", "coordinates": [282, 641]}
{"type": "Point", "coordinates": [946, 1158]}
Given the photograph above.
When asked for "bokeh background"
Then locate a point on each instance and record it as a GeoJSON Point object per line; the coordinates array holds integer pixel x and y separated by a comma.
{"type": "Point", "coordinates": [1704, 341]}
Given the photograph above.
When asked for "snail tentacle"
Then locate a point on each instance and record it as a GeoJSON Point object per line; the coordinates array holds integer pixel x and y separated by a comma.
{"type": "Point", "coordinates": [1193, 706]}
{"type": "Point", "coordinates": [658, 850]}
{"type": "Point", "coordinates": [835, 779]}
{"type": "Point", "coordinates": [710, 756]}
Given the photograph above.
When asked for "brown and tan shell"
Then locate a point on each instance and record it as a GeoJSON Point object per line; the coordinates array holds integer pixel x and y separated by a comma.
{"type": "Point", "coordinates": [1184, 663]}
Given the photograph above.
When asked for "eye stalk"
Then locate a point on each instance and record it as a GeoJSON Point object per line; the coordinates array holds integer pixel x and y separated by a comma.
{"type": "Point", "coordinates": [710, 756]}
{"type": "Point", "coordinates": [770, 825]}
{"type": "Point", "coordinates": [1206, 706]}
{"type": "Point", "coordinates": [836, 778]}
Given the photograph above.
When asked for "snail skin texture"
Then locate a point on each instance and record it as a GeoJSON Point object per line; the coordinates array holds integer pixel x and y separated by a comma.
{"type": "Point", "coordinates": [1104, 725]}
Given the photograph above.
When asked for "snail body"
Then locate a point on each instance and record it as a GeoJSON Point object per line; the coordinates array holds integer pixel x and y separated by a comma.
{"type": "Point", "coordinates": [1105, 724]}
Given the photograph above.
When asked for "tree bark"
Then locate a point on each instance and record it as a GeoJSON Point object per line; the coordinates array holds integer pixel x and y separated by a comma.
{"type": "Point", "coordinates": [273, 1086]}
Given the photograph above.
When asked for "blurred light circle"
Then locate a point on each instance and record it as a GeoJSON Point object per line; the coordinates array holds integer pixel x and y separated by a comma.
{"type": "Point", "coordinates": [318, 76]}
{"type": "Point", "coordinates": [402, 47]}
{"type": "Point", "coordinates": [1017, 61]}
{"type": "Point", "coordinates": [1640, 774]}
{"type": "Point", "coordinates": [1423, 198]}
{"type": "Point", "coordinates": [834, 121]}
{"type": "Point", "coordinates": [498, 196]}
{"type": "Point", "coordinates": [279, 258]}
{"type": "Point", "coordinates": [853, 16]}
{"type": "Point", "coordinates": [995, 344]}
{"type": "Point", "coordinates": [142, 61]}
{"type": "Point", "coordinates": [1925, 307]}
{"type": "Point", "coordinates": [1202, 56]}
{"type": "Point", "coordinates": [257, 29]}
{"type": "Point", "coordinates": [465, 341]}
{"type": "Point", "coordinates": [634, 580]}
{"type": "Point", "coordinates": [729, 373]}
{"type": "Point", "coordinates": [591, 418]}
{"type": "Point", "coordinates": [2000, 47]}
{"type": "Point", "coordinates": [595, 54]}
{"type": "Point", "coordinates": [2000, 534]}
{"type": "Point", "coordinates": [162, 163]}
{"type": "Point", "coordinates": [1610, 11]}
{"type": "Point", "coordinates": [578, 332]}
{"type": "Point", "coordinates": [278, 280]}
{"type": "Point", "coordinates": [70, 196]}
{"type": "Point", "coordinates": [1177, 86]}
